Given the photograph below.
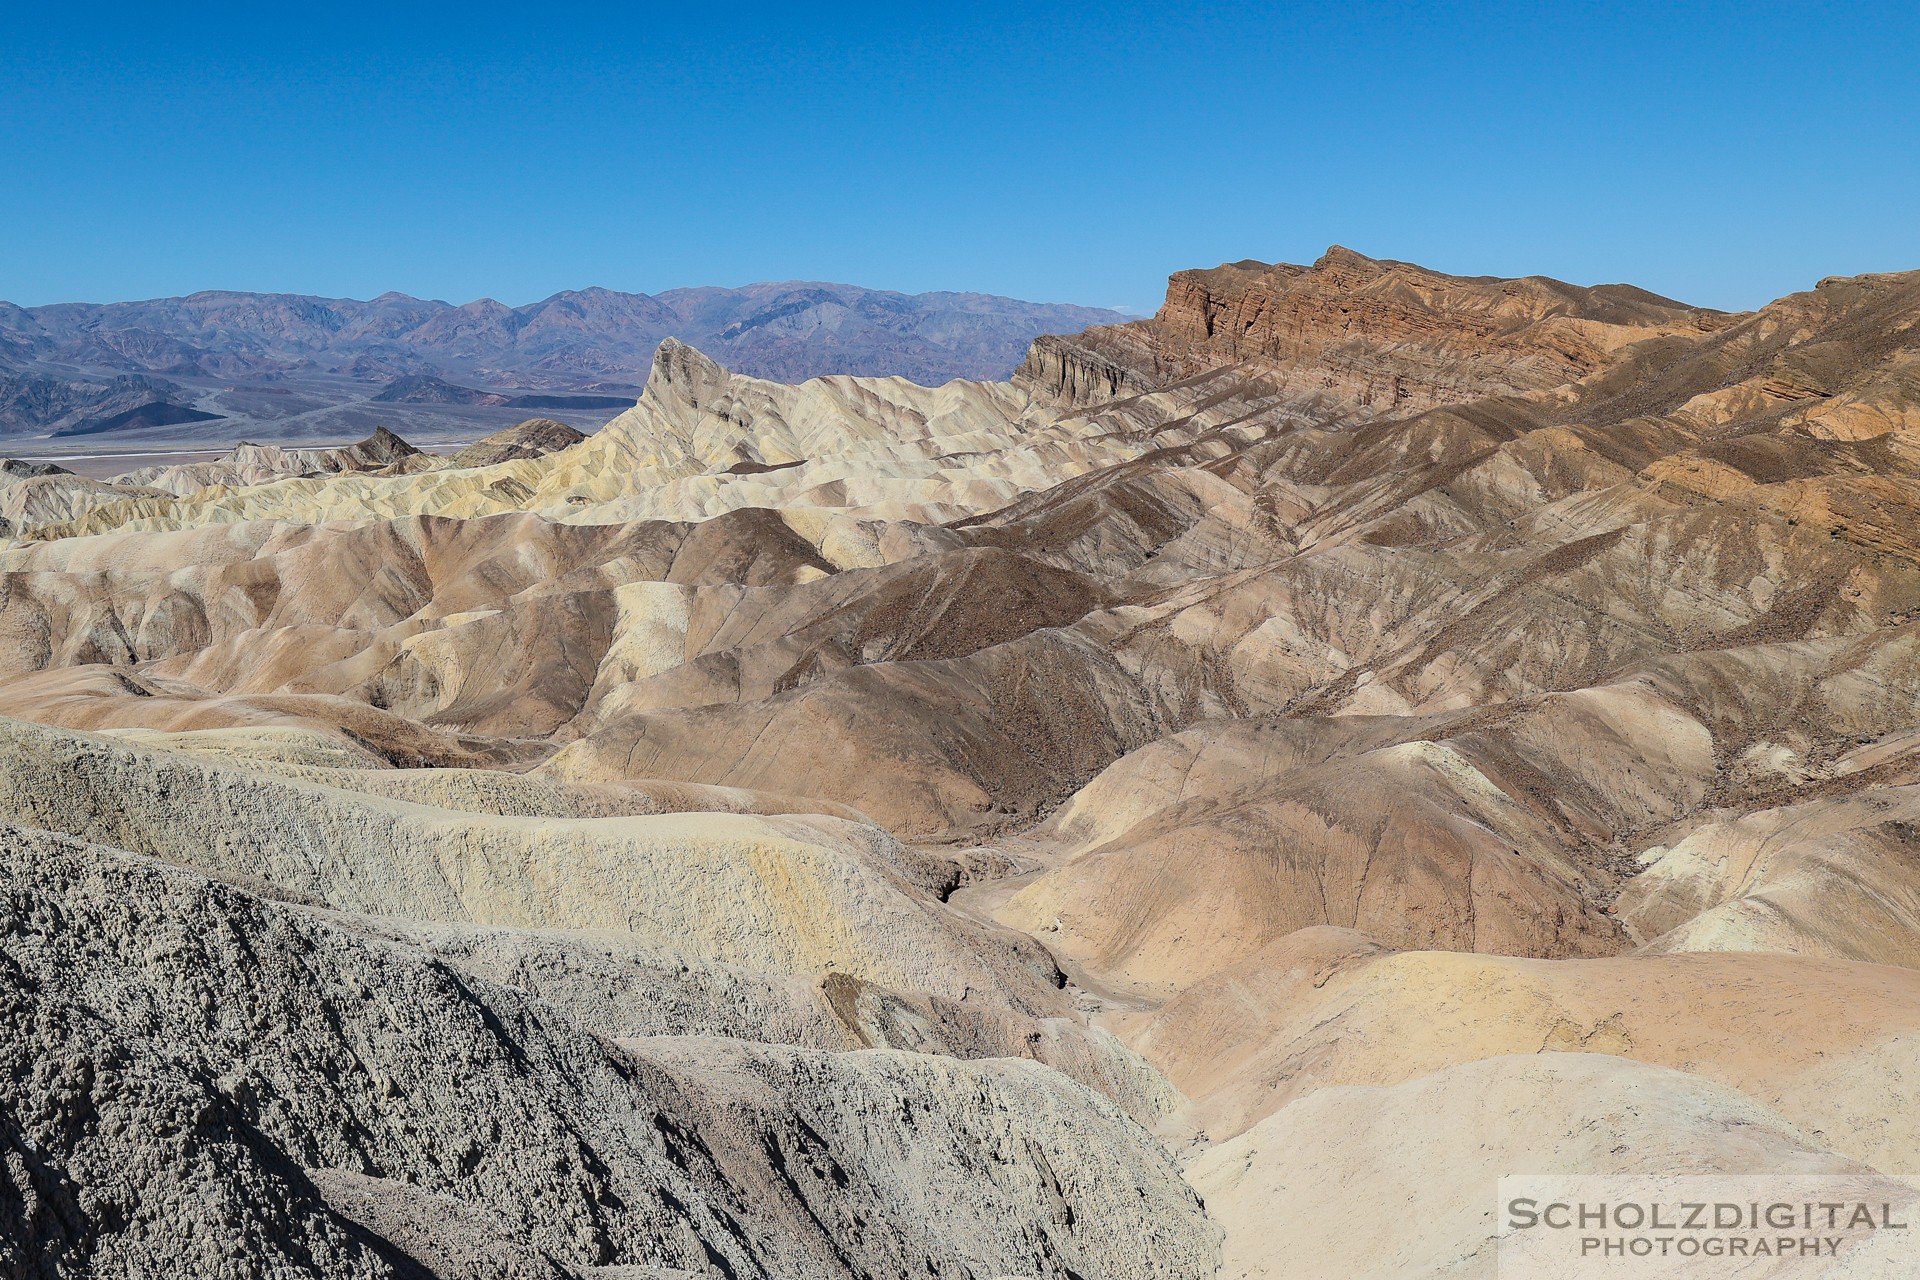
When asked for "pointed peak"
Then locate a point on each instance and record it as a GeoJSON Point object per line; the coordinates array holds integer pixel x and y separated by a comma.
{"type": "Point", "coordinates": [384, 445]}
{"type": "Point", "coordinates": [684, 371]}
{"type": "Point", "coordinates": [1340, 256]}
{"type": "Point", "coordinates": [674, 354]}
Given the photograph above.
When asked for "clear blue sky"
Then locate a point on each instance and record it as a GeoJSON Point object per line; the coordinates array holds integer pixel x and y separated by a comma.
{"type": "Point", "coordinates": [1723, 153]}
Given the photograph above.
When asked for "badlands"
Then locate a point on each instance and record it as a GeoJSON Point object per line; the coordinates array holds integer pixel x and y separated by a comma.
{"type": "Point", "coordinates": [1209, 806]}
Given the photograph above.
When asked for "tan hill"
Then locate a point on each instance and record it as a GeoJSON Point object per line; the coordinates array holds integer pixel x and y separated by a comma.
{"type": "Point", "coordinates": [1372, 729]}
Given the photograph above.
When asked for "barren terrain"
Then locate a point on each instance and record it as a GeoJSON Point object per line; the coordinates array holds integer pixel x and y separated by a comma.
{"type": "Point", "coordinates": [1356, 734]}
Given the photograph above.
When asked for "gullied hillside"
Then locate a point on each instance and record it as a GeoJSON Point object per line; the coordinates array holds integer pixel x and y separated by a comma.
{"type": "Point", "coordinates": [1354, 735]}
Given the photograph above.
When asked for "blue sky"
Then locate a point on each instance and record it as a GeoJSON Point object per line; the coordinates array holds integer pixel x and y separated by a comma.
{"type": "Point", "coordinates": [1721, 153]}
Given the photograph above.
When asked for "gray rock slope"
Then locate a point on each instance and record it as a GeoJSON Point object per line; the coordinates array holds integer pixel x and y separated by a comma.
{"type": "Point", "coordinates": [200, 1080]}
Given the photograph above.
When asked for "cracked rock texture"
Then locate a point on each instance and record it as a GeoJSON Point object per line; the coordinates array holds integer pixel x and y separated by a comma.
{"type": "Point", "coordinates": [202, 1080]}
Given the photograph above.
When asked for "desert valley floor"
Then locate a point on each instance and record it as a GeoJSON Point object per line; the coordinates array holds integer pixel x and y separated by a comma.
{"type": "Point", "coordinates": [1273, 767]}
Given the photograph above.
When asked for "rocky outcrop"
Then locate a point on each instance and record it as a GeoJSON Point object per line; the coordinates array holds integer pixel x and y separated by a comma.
{"type": "Point", "coordinates": [1356, 335]}
{"type": "Point", "coordinates": [534, 438]}
{"type": "Point", "coordinates": [1089, 370]}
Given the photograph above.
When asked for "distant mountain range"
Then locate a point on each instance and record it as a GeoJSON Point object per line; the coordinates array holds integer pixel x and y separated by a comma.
{"type": "Point", "coordinates": [292, 366]}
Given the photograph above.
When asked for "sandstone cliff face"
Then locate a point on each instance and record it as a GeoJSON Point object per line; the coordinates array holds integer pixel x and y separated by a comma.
{"type": "Point", "coordinates": [1363, 336]}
